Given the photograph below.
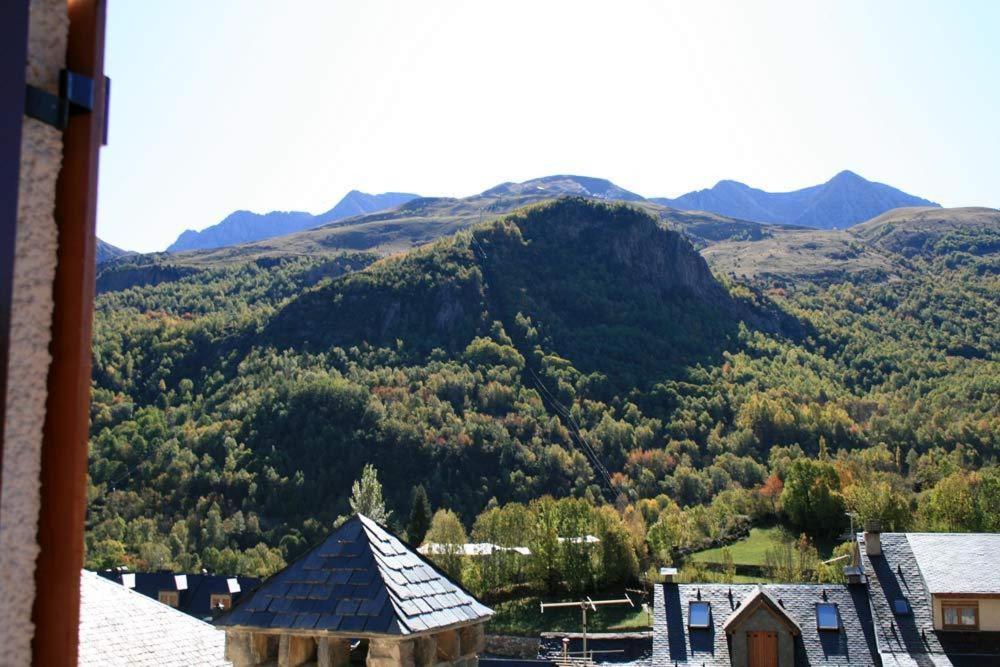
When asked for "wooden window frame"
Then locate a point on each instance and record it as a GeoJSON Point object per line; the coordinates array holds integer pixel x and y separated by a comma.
{"type": "Point", "coordinates": [165, 596]}
{"type": "Point", "coordinates": [63, 477]}
{"type": "Point", "coordinates": [215, 597]}
{"type": "Point", "coordinates": [971, 604]}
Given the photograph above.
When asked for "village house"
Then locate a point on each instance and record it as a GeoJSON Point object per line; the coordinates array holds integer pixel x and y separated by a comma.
{"type": "Point", "coordinates": [935, 597]}
{"type": "Point", "coordinates": [119, 626]}
{"type": "Point", "coordinates": [911, 599]}
{"type": "Point", "coordinates": [200, 595]}
{"type": "Point", "coordinates": [773, 625]}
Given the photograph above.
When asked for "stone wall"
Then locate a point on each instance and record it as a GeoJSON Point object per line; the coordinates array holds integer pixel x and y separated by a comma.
{"type": "Point", "coordinates": [762, 620]}
{"type": "Point", "coordinates": [449, 648]}
{"type": "Point", "coordinates": [31, 321]}
{"type": "Point", "coordinates": [512, 647]}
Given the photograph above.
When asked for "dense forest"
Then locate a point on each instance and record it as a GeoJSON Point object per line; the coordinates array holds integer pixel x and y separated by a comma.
{"type": "Point", "coordinates": [572, 368]}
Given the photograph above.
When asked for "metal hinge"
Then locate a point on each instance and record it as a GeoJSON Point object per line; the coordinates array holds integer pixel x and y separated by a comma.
{"type": "Point", "coordinates": [76, 96]}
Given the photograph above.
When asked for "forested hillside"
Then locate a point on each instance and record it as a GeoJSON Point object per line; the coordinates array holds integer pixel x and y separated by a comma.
{"type": "Point", "coordinates": [573, 349]}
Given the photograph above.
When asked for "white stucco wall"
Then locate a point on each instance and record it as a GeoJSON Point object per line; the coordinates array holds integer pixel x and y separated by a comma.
{"type": "Point", "coordinates": [31, 319]}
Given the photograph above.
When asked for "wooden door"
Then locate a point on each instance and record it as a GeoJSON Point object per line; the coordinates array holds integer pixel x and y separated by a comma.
{"type": "Point", "coordinates": [762, 649]}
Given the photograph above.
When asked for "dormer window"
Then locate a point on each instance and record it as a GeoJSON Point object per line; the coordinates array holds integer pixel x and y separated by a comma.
{"type": "Point", "coordinates": [699, 615]}
{"type": "Point", "coordinates": [826, 616]}
{"type": "Point", "coordinates": [170, 598]}
{"type": "Point", "coordinates": [901, 607]}
{"type": "Point", "coordinates": [221, 601]}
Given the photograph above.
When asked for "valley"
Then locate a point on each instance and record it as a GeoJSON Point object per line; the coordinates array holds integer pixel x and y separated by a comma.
{"type": "Point", "coordinates": [565, 359]}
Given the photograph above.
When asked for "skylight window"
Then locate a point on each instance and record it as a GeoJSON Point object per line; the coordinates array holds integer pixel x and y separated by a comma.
{"type": "Point", "coordinates": [901, 607]}
{"type": "Point", "coordinates": [826, 616]}
{"type": "Point", "coordinates": [699, 615]}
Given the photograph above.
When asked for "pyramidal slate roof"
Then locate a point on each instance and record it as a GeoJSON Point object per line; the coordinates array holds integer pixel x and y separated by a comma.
{"type": "Point", "coordinates": [360, 581]}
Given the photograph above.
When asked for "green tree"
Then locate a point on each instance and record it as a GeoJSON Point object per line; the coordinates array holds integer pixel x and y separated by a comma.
{"type": "Point", "coordinates": [729, 565]}
{"type": "Point", "coordinates": [811, 497]}
{"type": "Point", "coordinates": [543, 540]}
{"type": "Point", "coordinates": [366, 496]}
{"type": "Point", "coordinates": [448, 536]}
{"type": "Point", "coordinates": [880, 497]}
{"type": "Point", "coordinates": [618, 564]}
{"type": "Point", "coordinates": [988, 500]}
{"type": "Point", "coordinates": [951, 504]}
{"type": "Point", "coordinates": [420, 516]}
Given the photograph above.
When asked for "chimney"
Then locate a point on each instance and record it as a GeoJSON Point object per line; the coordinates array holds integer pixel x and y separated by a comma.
{"type": "Point", "coordinates": [873, 538]}
{"type": "Point", "coordinates": [668, 574]}
{"type": "Point", "coordinates": [854, 574]}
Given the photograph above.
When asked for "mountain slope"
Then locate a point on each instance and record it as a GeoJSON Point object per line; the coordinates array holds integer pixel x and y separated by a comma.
{"type": "Point", "coordinates": [926, 231]}
{"type": "Point", "coordinates": [106, 252]}
{"type": "Point", "coordinates": [504, 363]}
{"type": "Point", "coordinates": [581, 268]}
{"type": "Point", "coordinates": [844, 200]}
{"type": "Point", "coordinates": [876, 250]}
{"type": "Point", "coordinates": [246, 226]}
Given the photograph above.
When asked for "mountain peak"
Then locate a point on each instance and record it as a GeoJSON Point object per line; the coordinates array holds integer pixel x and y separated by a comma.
{"type": "Point", "coordinates": [564, 185]}
{"type": "Point", "coordinates": [844, 200]}
{"type": "Point", "coordinates": [244, 226]}
{"type": "Point", "coordinates": [847, 175]}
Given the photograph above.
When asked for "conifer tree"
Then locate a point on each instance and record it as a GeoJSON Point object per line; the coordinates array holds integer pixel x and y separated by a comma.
{"type": "Point", "coordinates": [420, 516]}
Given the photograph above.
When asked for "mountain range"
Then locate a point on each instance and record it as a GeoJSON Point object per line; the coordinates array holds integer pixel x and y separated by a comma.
{"type": "Point", "coordinates": [844, 200]}
{"type": "Point", "coordinates": [247, 226]}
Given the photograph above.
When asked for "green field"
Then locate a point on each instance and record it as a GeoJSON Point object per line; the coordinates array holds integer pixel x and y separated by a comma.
{"type": "Point", "coordinates": [752, 549]}
{"type": "Point", "coordinates": [524, 618]}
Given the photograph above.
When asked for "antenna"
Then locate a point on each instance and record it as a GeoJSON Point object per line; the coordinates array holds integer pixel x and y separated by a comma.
{"type": "Point", "coordinates": [852, 535]}
{"type": "Point", "coordinates": [583, 605]}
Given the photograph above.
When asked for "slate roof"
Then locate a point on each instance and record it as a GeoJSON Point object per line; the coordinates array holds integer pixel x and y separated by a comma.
{"type": "Point", "coordinates": [912, 639]}
{"type": "Point", "coordinates": [360, 581]}
{"type": "Point", "coordinates": [958, 562]}
{"type": "Point", "coordinates": [674, 643]}
{"type": "Point", "coordinates": [119, 627]}
{"type": "Point", "coordinates": [196, 599]}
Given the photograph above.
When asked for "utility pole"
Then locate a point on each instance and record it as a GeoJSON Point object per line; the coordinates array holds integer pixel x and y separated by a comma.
{"type": "Point", "coordinates": [584, 605]}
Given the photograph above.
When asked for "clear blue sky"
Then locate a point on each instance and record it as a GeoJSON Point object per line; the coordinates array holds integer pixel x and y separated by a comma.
{"type": "Point", "coordinates": [265, 105]}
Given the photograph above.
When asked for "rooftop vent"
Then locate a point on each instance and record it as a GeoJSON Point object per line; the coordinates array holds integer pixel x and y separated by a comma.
{"type": "Point", "coordinates": [854, 574]}
{"type": "Point", "coordinates": [668, 574]}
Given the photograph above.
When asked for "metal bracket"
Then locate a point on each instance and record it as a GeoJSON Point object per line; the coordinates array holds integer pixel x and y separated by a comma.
{"type": "Point", "coordinates": [76, 96]}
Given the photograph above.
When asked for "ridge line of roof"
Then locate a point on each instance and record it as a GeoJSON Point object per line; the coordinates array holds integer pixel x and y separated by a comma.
{"type": "Point", "coordinates": [425, 560]}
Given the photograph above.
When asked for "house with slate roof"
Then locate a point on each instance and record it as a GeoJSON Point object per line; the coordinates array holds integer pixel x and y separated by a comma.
{"type": "Point", "coordinates": [772, 625]}
{"type": "Point", "coordinates": [201, 595]}
{"type": "Point", "coordinates": [360, 585]}
{"type": "Point", "coordinates": [119, 627]}
{"type": "Point", "coordinates": [935, 597]}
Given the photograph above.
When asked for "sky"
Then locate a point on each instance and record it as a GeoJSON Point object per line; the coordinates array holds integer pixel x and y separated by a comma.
{"type": "Point", "coordinates": [224, 105]}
